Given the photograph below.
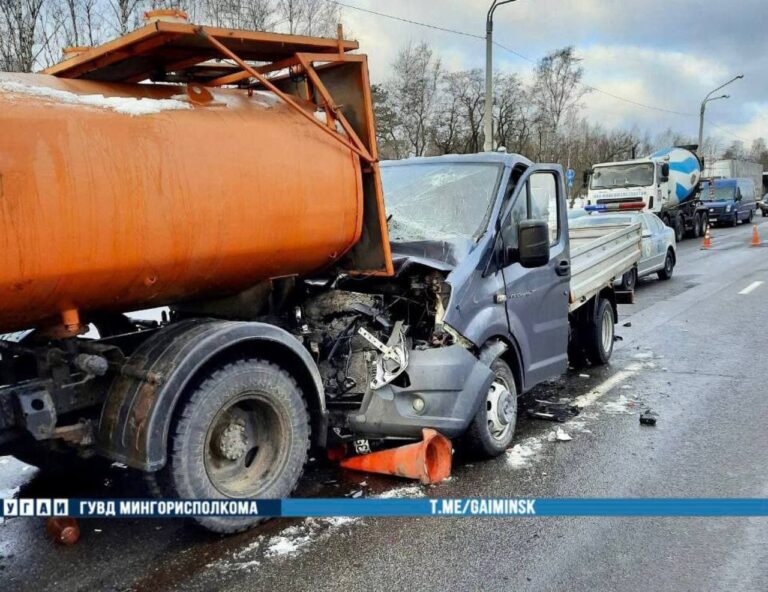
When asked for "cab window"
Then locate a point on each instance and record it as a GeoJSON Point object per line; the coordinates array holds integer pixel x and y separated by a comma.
{"type": "Point", "coordinates": [544, 202]}
{"type": "Point", "coordinates": [537, 200]}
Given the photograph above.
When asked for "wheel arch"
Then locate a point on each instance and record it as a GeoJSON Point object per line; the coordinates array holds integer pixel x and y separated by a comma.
{"type": "Point", "coordinates": [136, 417]}
{"type": "Point", "coordinates": [506, 348]}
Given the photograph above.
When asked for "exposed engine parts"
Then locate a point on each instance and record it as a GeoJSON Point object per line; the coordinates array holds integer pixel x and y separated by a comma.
{"type": "Point", "coordinates": [362, 338]}
{"type": "Point", "coordinates": [393, 359]}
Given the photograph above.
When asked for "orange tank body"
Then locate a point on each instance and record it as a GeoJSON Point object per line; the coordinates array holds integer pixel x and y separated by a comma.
{"type": "Point", "coordinates": [112, 203]}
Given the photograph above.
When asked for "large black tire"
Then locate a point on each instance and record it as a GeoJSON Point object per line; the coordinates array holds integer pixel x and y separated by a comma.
{"type": "Point", "coordinates": [497, 410]}
{"type": "Point", "coordinates": [599, 346]}
{"type": "Point", "coordinates": [679, 226]}
{"type": "Point", "coordinates": [242, 433]}
{"type": "Point", "coordinates": [629, 280]}
{"type": "Point", "coordinates": [735, 220]}
{"type": "Point", "coordinates": [751, 216]}
{"type": "Point", "coordinates": [696, 232]}
{"type": "Point", "coordinates": [669, 266]}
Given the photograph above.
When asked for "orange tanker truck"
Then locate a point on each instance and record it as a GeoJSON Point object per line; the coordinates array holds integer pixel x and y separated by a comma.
{"type": "Point", "coordinates": [232, 178]}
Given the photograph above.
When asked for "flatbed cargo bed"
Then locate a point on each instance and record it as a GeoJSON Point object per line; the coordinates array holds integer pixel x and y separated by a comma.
{"type": "Point", "coordinates": [599, 256]}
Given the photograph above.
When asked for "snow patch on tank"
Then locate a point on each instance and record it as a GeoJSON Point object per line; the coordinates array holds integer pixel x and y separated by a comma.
{"type": "Point", "coordinates": [128, 105]}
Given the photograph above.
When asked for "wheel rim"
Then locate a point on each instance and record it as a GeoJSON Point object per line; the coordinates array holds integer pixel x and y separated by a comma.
{"type": "Point", "coordinates": [242, 453]}
{"type": "Point", "coordinates": [500, 409]}
{"type": "Point", "coordinates": [668, 265]}
{"type": "Point", "coordinates": [606, 330]}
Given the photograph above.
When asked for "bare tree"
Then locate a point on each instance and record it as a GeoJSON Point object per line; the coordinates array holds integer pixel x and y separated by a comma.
{"type": "Point", "coordinates": [512, 113]}
{"type": "Point", "coordinates": [448, 128]}
{"type": "Point", "coordinates": [557, 92]}
{"type": "Point", "coordinates": [320, 18]}
{"type": "Point", "coordinates": [390, 142]}
{"type": "Point", "coordinates": [125, 15]}
{"type": "Point", "coordinates": [413, 94]}
{"type": "Point", "coordinates": [20, 31]}
{"type": "Point", "coordinates": [759, 151]}
{"type": "Point", "coordinates": [310, 17]}
{"type": "Point", "coordinates": [257, 15]}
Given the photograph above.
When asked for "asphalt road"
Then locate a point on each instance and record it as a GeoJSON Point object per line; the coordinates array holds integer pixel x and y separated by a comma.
{"type": "Point", "coordinates": [694, 351]}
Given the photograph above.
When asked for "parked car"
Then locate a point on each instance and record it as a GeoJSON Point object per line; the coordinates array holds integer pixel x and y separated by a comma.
{"type": "Point", "coordinates": [659, 254]}
{"type": "Point", "coordinates": [763, 205]}
{"type": "Point", "coordinates": [729, 201]}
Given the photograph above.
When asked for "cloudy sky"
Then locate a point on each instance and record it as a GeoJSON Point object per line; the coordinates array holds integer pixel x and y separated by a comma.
{"type": "Point", "coordinates": [667, 54]}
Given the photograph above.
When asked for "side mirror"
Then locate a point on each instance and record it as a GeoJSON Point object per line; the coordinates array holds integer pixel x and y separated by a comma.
{"type": "Point", "coordinates": [665, 171]}
{"type": "Point", "coordinates": [533, 241]}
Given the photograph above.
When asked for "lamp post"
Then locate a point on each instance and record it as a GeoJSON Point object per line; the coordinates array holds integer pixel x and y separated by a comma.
{"type": "Point", "coordinates": [708, 98]}
{"type": "Point", "coordinates": [488, 115]}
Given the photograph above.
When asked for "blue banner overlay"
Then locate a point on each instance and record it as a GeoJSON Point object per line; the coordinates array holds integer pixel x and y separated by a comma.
{"type": "Point", "coordinates": [372, 507]}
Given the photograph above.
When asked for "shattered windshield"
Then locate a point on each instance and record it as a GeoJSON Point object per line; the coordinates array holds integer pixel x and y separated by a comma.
{"type": "Point", "coordinates": [625, 175]}
{"type": "Point", "coordinates": [438, 201]}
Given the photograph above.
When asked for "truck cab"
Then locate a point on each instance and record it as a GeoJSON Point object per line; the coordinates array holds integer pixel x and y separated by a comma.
{"type": "Point", "coordinates": [666, 183]}
{"type": "Point", "coordinates": [628, 181]}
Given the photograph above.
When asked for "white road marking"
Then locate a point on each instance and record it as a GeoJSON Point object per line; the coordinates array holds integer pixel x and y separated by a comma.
{"type": "Point", "coordinates": [751, 287]}
{"type": "Point", "coordinates": [606, 386]}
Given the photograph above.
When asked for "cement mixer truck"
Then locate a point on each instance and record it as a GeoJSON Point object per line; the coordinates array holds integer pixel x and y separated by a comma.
{"type": "Point", "coordinates": [232, 177]}
{"type": "Point", "coordinates": [667, 183]}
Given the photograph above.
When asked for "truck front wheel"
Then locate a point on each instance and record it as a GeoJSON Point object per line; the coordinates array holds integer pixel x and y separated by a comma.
{"type": "Point", "coordinates": [493, 427]}
{"type": "Point", "coordinates": [242, 433]}
{"type": "Point", "coordinates": [599, 335]}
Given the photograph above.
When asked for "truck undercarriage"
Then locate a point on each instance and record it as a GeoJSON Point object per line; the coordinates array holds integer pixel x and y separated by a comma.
{"type": "Point", "coordinates": [389, 365]}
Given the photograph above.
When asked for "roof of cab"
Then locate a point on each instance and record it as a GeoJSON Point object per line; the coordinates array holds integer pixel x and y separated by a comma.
{"type": "Point", "coordinates": [721, 182]}
{"type": "Point", "coordinates": [480, 157]}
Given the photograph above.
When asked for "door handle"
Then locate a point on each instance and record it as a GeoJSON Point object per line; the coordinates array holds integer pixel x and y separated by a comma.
{"type": "Point", "coordinates": [563, 267]}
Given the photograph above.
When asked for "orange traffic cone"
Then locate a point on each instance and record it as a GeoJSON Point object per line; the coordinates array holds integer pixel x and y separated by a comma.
{"type": "Point", "coordinates": [755, 237]}
{"type": "Point", "coordinates": [429, 461]}
{"type": "Point", "coordinates": [707, 239]}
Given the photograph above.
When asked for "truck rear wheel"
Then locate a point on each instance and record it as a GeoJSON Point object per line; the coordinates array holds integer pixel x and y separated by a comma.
{"type": "Point", "coordinates": [679, 226]}
{"type": "Point", "coordinates": [698, 225]}
{"type": "Point", "coordinates": [242, 433]}
{"type": "Point", "coordinates": [493, 427]}
{"type": "Point", "coordinates": [599, 335]}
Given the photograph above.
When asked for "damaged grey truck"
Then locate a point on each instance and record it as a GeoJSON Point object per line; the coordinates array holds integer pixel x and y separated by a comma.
{"type": "Point", "coordinates": [490, 294]}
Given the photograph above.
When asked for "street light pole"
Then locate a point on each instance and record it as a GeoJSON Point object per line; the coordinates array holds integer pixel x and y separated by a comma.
{"type": "Point", "coordinates": [488, 115]}
{"type": "Point", "coordinates": [707, 99]}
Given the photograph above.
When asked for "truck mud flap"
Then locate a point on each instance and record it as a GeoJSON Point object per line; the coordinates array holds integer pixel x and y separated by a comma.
{"type": "Point", "coordinates": [441, 389]}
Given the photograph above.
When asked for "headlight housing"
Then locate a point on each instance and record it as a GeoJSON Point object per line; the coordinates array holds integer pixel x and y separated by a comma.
{"type": "Point", "coordinates": [728, 208]}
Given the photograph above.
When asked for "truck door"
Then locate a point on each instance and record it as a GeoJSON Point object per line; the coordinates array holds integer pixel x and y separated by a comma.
{"type": "Point", "coordinates": [537, 299]}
